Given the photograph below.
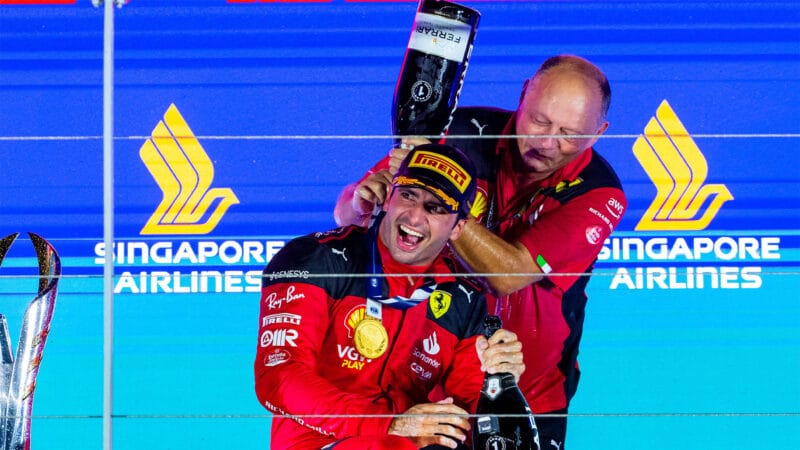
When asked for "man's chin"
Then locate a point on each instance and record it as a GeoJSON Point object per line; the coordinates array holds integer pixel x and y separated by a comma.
{"type": "Point", "coordinates": [404, 255]}
{"type": "Point", "coordinates": [532, 165]}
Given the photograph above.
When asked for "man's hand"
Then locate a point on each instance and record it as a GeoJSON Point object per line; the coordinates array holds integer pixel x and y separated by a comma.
{"type": "Point", "coordinates": [501, 353]}
{"type": "Point", "coordinates": [398, 154]}
{"type": "Point", "coordinates": [371, 191]}
{"type": "Point", "coordinates": [426, 424]}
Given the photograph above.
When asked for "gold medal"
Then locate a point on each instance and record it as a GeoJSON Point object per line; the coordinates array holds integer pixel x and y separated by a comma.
{"type": "Point", "coordinates": [370, 338]}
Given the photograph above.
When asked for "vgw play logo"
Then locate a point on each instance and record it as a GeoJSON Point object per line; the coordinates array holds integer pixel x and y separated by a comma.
{"type": "Point", "coordinates": [685, 204]}
{"type": "Point", "coordinates": [189, 205]}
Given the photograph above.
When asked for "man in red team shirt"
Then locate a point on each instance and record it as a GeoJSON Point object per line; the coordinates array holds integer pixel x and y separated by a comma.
{"type": "Point", "coordinates": [354, 367]}
{"type": "Point", "coordinates": [546, 202]}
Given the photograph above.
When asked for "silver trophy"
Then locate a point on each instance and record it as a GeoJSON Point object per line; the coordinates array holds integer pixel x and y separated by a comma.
{"type": "Point", "coordinates": [18, 376]}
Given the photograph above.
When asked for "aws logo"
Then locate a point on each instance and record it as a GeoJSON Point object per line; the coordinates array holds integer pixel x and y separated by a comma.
{"type": "Point", "coordinates": [184, 172]}
{"type": "Point", "coordinates": [678, 169]}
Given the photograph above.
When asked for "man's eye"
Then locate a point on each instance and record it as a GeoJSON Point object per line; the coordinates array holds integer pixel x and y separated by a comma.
{"type": "Point", "coordinates": [568, 133]}
{"type": "Point", "coordinates": [570, 136]}
{"type": "Point", "coordinates": [437, 209]}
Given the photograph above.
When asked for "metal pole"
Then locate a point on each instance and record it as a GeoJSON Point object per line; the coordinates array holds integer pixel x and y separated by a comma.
{"type": "Point", "coordinates": [108, 221]}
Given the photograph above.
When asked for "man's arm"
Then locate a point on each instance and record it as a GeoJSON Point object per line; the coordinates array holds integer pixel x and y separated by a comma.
{"type": "Point", "coordinates": [561, 237]}
{"type": "Point", "coordinates": [486, 253]}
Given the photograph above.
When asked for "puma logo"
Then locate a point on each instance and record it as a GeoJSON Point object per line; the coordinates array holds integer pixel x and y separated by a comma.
{"type": "Point", "coordinates": [478, 126]}
{"type": "Point", "coordinates": [466, 291]}
{"type": "Point", "coordinates": [555, 444]}
{"type": "Point", "coordinates": [340, 252]}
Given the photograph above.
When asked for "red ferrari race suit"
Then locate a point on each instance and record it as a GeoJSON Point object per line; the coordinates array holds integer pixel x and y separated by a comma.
{"type": "Point", "coordinates": [563, 222]}
{"type": "Point", "coordinates": [307, 365]}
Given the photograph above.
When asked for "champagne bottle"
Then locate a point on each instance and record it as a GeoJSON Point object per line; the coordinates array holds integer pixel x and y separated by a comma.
{"type": "Point", "coordinates": [433, 68]}
{"type": "Point", "coordinates": [503, 418]}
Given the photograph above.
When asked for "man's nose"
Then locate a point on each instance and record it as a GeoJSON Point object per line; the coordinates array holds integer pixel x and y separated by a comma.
{"type": "Point", "coordinates": [416, 213]}
{"type": "Point", "coordinates": [549, 139]}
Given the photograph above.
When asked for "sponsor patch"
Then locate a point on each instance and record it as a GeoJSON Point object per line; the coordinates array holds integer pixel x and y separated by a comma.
{"type": "Point", "coordinates": [439, 303]}
{"type": "Point", "coordinates": [594, 234]}
{"type": "Point", "coordinates": [431, 344]}
{"type": "Point", "coordinates": [352, 318]}
{"type": "Point", "coordinates": [421, 372]}
{"type": "Point", "coordinates": [276, 357]}
{"type": "Point", "coordinates": [351, 358]}
{"type": "Point", "coordinates": [291, 319]}
{"type": "Point", "coordinates": [279, 338]}
{"type": "Point", "coordinates": [274, 302]}
{"type": "Point", "coordinates": [615, 208]}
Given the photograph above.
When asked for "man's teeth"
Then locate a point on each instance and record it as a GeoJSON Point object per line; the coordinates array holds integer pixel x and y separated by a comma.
{"type": "Point", "coordinates": [410, 232]}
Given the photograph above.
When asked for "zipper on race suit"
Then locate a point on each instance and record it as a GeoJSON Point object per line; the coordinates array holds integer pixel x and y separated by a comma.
{"type": "Point", "coordinates": [385, 392]}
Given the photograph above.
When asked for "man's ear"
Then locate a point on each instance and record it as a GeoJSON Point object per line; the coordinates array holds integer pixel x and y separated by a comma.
{"type": "Point", "coordinates": [602, 129]}
{"type": "Point", "coordinates": [457, 229]}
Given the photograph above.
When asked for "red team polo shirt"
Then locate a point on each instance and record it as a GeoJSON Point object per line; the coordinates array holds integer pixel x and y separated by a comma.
{"type": "Point", "coordinates": [564, 238]}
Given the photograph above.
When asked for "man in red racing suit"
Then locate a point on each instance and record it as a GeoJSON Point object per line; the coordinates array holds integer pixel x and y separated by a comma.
{"type": "Point", "coordinates": [307, 364]}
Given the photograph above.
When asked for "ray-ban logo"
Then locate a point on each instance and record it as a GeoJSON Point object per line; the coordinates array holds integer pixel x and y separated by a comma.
{"type": "Point", "coordinates": [678, 169]}
{"type": "Point", "coordinates": [184, 172]}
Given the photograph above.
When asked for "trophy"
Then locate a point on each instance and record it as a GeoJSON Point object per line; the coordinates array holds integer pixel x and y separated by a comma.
{"type": "Point", "coordinates": [18, 375]}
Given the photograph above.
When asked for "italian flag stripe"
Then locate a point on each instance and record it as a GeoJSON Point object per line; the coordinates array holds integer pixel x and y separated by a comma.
{"type": "Point", "coordinates": [543, 264]}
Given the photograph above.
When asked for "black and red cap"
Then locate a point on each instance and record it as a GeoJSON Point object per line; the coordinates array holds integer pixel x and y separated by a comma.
{"type": "Point", "coordinates": [442, 170]}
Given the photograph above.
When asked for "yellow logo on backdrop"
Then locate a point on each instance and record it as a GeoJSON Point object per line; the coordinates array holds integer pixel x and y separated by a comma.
{"type": "Point", "coordinates": [184, 172]}
{"type": "Point", "coordinates": [678, 169]}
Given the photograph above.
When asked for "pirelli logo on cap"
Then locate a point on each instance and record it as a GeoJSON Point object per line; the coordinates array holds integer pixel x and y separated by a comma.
{"type": "Point", "coordinates": [444, 166]}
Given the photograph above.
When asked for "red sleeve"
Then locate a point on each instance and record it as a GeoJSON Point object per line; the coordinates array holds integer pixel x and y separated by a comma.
{"type": "Point", "coordinates": [569, 238]}
{"type": "Point", "coordinates": [292, 326]}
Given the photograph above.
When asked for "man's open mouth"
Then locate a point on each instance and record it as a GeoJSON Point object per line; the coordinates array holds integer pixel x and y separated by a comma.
{"type": "Point", "coordinates": [408, 236]}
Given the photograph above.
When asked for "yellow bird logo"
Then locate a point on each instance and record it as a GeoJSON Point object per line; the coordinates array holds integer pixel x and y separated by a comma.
{"type": "Point", "coordinates": [678, 169]}
{"type": "Point", "coordinates": [184, 172]}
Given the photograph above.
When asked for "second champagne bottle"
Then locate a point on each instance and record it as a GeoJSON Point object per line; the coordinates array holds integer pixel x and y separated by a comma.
{"type": "Point", "coordinates": [504, 420]}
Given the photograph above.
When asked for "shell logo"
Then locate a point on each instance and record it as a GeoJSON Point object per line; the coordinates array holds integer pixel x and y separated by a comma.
{"type": "Point", "coordinates": [480, 205]}
{"type": "Point", "coordinates": [353, 317]}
